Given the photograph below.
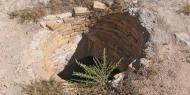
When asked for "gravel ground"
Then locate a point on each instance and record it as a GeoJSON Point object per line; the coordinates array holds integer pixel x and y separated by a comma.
{"type": "Point", "coordinates": [17, 65]}
{"type": "Point", "coordinates": [163, 20]}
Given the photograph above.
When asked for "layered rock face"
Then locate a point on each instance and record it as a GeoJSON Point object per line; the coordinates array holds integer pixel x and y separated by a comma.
{"type": "Point", "coordinates": [121, 35]}
{"type": "Point", "coordinates": [55, 48]}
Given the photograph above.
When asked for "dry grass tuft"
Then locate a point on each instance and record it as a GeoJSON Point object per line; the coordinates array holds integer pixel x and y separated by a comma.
{"type": "Point", "coordinates": [124, 88]}
{"type": "Point", "coordinates": [186, 10]}
{"type": "Point", "coordinates": [59, 6]}
{"type": "Point", "coordinates": [29, 14]}
{"type": "Point", "coordinates": [55, 6]}
{"type": "Point", "coordinates": [40, 10]}
{"type": "Point", "coordinates": [44, 88]}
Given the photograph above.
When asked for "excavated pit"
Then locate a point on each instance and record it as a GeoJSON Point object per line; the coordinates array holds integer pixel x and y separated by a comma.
{"type": "Point", "coordinates": [120, 34]}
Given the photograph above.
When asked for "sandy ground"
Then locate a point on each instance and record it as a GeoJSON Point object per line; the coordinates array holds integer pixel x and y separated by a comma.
{"type": "Point", "coordinates": [15, 60]}
{"type": "Point", "coordinates": [19, 66]}
{"type": "Point", "coordinates": [163, 20]}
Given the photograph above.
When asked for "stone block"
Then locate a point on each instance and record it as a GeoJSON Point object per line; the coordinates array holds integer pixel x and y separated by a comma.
{"type": "Point", "coordinates": [42, 24]}
{"type": "Point", "coordinates": [50, 17]}
{"type": "Point", "coordinates": [183, 38]}
{"type": "Point", "coordinates": [64, 15]}
{"type": "Point", "coordinates": [81, 11]}
{"type": "Point", "coordinates": [68, 20]}
{"type": "Point", "coordinates": [53, 25]}
{"type": "Point", "coordinates": [99, 5]}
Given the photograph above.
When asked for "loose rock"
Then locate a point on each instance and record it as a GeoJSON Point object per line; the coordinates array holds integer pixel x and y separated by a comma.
{"type": "Point", "coordinates": [145, 62]}
{"type": "Point", "coordinates": [50, 17]}
{"type": "Point", "coordinates": [183, 38]}
{"type": "Point", "coordinates": [68, 20]}
{"type": "Point", "coordinates": [118, 78]}
{"type": "Point", "coordinates": [64, 15]}
{"type": "Point", "coordinates": [42, 24]}
{"type": "Point", "coordinates": [53, 25]}
{"type": "Point", "coordinates": [99, 5]}
{"type": "Point", "coordinates": [135, 1]}
{"type": "Point", "coordinates": [81, 10]}
{"type": "Point", "coordinates": [109, 3]}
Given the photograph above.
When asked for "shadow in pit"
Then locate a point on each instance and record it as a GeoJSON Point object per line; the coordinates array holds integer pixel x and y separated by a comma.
{"type": "Point", "coordinates": [114, 32]}
{"type": "Point", "coordinates": [82, 55]}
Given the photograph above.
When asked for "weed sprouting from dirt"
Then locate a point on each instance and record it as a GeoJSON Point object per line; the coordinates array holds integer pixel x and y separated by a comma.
{"type": "Point", "coordinates": [97, 82]}
{"type": "Point", "coordinates": [98, 74]}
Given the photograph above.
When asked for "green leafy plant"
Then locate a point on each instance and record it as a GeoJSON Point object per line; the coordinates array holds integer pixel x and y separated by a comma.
{"type": "Point", "coordinates": [97, 74]}
{"type": "Point", "coordinates": [44, 88]}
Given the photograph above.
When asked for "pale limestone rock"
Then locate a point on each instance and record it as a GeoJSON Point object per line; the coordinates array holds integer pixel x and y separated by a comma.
{"type": "Point", "coordinates": [53, 25]}
{"type": "Point", "coordinates": [183, 37]}
{"type": "Point", "coordinates": [64, 15]}
{"type": "Point", "coordinates": [131, 65]}
{"type": "Point", "coordinates": [50, 17]}
{"type": "Point", "coordinates": [63, 54]}
{"type": "Point", "coordinates": [55, 77]}
{"type": "Point", "coordinates": [118, 78]}
{"type": "Point", "coordinates": [145, 62]}
{"type": "Point", "coordinates": [58, 18]}
{"type": "Point", "coordinates": [48, 23]}
{"type": "Point", "coordinates": [81, 10]}
{"type": "Point", "coordinates": [99, 5]}
{"type": "Point", "coordinates": [37, 38]}
{"type": "Point", "coordinates": [42, 24]}
{"type": "Point", "coordinates": [135, 1]}
{"type": "Point", "coordinates": [68, 20]}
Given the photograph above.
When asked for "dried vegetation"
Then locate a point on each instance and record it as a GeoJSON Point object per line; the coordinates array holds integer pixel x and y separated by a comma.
{"type": "Point", "coordinates": [59, 6]}
{"type": "Point", "coordinates": [44, 88]}
{"type": "Point", "coordinates": [186, 10]}
{"type": "Point", "coordinates": [29, 14]}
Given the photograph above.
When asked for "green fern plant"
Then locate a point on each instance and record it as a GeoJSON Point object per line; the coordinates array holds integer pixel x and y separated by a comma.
{"type": "Point", "coordinates": [97, 74]}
